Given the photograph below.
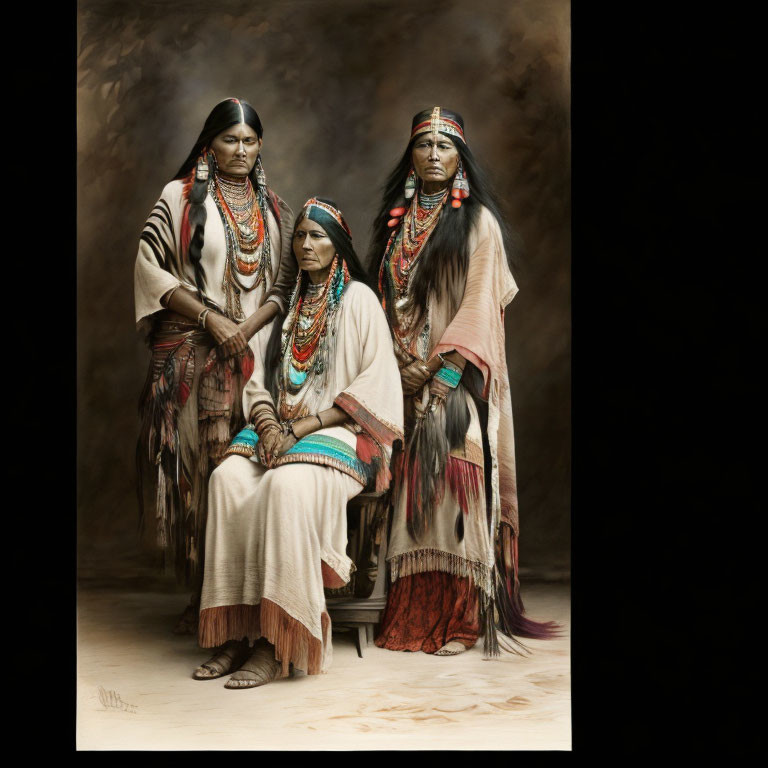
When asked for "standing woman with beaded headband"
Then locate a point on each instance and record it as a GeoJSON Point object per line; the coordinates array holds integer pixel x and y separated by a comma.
{"type": "Point", "coordinates": [444, 281]}
{"type": "Point", "coordinates": [325, 408]}
{"type": "Point", "coordinates": [214, 265]}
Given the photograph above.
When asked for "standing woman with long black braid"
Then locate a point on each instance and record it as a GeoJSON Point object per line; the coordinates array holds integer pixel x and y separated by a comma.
{"type": "Point", "coordinates": [214, 266]}
{"type": "Point", "coordinates": [444, 282]}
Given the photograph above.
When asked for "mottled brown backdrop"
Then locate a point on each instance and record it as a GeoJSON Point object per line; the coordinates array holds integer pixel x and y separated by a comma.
{"type": "Point", "coordinates": [335, 83]}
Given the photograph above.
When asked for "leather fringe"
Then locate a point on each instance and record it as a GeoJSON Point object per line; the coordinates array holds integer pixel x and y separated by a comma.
{"type": "Point", "coordinates": [294, 643]}
{"type": "Point", "coordinates": [466, 483]}
{"type": "Point", "coordinates": [178, 488]}
{"type": "Point", "coordinates": [424, 560]}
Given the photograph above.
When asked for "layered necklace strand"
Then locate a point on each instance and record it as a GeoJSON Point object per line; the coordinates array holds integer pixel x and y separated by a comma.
{"type": "Point", "coordinates": [310, 326]}
{"type": "Point", "coordinates": [310, 320]}
{"type": "Point", "coordinates": [239, 203]}
{"type": "Point", "coordinates": [419, 222]}
{"type": "Point", "coordinates": [242, 211]}
{"type": "Point", "coordinates": [305, 337]}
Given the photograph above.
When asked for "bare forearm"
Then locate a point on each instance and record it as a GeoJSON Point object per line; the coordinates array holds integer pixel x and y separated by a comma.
{"type": "Point", "coordinates": [331, 417]}
{"type": "Point", "coordinates": [183, 302]}
{"type": "Point", "coordinates": [255, 322]}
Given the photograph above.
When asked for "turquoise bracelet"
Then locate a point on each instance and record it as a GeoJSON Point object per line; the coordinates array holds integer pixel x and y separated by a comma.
{"type": "Point", "coordinates": [449, 374]}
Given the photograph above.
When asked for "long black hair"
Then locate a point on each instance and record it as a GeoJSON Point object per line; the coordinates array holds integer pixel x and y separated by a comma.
{"type": "Point", "coordinates": [445, 255]}
{"type": "Point", "coordinates": [342, 242]}
{"type": "Point", "coordinates": [225, 114]}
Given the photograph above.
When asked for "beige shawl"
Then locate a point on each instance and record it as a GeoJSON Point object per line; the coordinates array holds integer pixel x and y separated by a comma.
{"type": "Point", "coordinates": [477, 332]}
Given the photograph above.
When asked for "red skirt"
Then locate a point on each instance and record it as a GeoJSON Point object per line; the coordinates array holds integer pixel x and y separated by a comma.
{"type": "Point", "coordinates": [427, 610]}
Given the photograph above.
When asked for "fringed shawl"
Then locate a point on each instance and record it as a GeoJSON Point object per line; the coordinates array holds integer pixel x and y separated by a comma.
{"type": "Point", "coordinates": [477, 332]}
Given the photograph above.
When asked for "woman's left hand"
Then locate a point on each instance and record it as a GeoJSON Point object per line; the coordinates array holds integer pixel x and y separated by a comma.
{"type": "Point", "coordinates": [269, 439]}
{"type": "Point", "coordinates": [413, 377]}
{"type": "Point", "coordinates": [284, 445]}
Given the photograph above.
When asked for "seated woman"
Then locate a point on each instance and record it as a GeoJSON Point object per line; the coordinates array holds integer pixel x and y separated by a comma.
{"type": "Point", "coordinates": [325, 405]}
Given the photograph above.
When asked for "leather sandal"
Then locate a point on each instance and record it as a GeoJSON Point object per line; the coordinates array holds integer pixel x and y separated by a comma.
{"type": "Point", "coordinates": [220, 668]}
{"type": "Point", "coordinates": [451, 648]}
{"type": "Point", "coordinates": [262, 667]}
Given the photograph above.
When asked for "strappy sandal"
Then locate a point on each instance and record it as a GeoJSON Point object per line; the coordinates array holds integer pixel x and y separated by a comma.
{"type": "Point", "coordinates": [217, 667]}
{"type": "Point", "coordinates": [451, 651]}
{"type": "Point", "coordinates": [264, 668]}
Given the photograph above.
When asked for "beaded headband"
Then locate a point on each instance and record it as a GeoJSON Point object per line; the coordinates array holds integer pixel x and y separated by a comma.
{"type": "Point", "coordinates": [439, 123]}
{"type": "Point", "coordinates": [329, 210]}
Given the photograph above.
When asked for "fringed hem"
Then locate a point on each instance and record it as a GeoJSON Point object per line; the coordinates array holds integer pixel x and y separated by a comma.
{"type": "Point", "coordinates": [425, 560]}
{"type": "Point", "coordinates": [294, 643]}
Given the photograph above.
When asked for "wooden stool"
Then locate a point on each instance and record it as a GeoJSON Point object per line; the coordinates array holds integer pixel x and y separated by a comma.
{"type": "Point", "coordinates": [362, 615]}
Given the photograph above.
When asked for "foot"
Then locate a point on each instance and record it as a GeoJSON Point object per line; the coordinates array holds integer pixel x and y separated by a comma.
{"type": "Point", "coordinates": [187, 623]}
{"type": "Point", "coordinates": [227, 659]}
{"type": "Point", "coordinates": [260, 668]}
{"type": "Point", "coordinates": [453, 648]}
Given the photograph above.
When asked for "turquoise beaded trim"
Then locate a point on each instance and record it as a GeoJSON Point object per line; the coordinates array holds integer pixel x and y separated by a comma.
{"type": "Point", "coordinates": [244, 442]}
{"type": "Point", "coordinates": [313, 449]}
{"type": "Point", "coordinates": [322, 449]}
{"type": "Point", "coordinates": [449, 376]}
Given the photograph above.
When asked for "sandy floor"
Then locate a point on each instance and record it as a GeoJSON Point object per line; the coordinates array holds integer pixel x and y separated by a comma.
{"type": "Point", "coordinates": [386, 700]}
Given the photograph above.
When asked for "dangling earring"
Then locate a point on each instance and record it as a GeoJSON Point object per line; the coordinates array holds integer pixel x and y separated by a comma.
{"type": "Point", "coordinates": [460, 189]}
{"type": "Point", "coordinates": [410, 184]}
{"type": "Point", "coordinates": [202, 172]}
{"type": "Point", "coordinates": [261, 179]}
{"type": "Point", "coordinates": [202, 168]}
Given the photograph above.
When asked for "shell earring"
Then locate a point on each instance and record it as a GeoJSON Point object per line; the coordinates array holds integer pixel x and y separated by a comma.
{"type": "Point", "coordinates": [261, 179]}
{"type": "Point", "coordinates": [410, 184]}
{"type": "Point", "coordinates": [460, 189]}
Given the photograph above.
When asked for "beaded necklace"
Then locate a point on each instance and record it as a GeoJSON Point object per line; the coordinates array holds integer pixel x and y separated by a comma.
{"type": "Point", "coordinates": [239, 202]}
{"type": "Point", "coordinates": [401, 257]}
{"type": "Point", "coordinates": [405, 246]}
{"type": "Point", "coordinates": [304, 340]}
{"type": "Point", "coordinates": [243, 214]}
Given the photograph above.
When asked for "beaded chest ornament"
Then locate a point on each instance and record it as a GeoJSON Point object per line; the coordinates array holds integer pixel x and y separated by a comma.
{"type": "Point", "coordinates": [305, 342]}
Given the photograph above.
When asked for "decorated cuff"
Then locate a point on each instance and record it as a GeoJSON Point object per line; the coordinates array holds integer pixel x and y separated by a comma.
{"type": "Point", "coordinates": [449, 374]}
{"type": "Point", "coordinates": [244, 443]}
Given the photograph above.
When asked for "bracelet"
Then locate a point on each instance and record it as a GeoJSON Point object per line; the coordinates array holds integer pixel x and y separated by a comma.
{"type": "Point", "coordinates": [290, 429]}
{"type": "Point", "coordinates": [201, 317]}
{"type": "Point", "coordinates": [449, 374]}
{"type": "Point", "coordinates": [319, 420]}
